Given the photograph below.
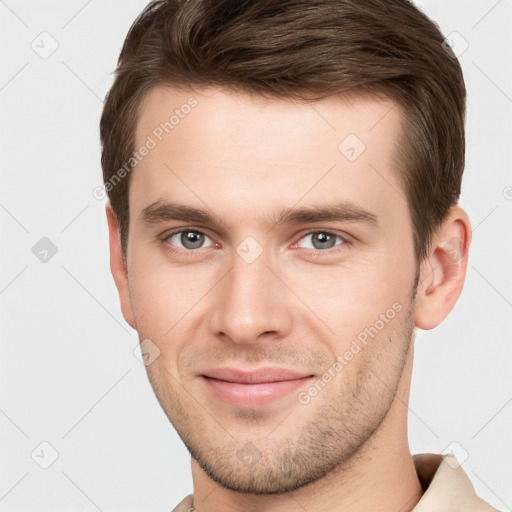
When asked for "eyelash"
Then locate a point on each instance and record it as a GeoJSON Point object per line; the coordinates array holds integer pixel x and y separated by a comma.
{"type": "Point", "coordinates": [313, 252]}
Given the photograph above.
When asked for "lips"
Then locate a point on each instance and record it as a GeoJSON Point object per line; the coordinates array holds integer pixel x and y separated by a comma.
{"type": "Point", "coordinates": [253, 388]}
{"type": "Point", "coordinates": [267, 374]}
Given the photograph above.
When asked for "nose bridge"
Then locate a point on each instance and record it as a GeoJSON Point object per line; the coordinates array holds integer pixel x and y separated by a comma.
{"type": "Point", "coordinates": [250, 299]}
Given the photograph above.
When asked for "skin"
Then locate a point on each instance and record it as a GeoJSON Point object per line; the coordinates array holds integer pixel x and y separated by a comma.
{"type": "Point", "coordinates": [245, 158]}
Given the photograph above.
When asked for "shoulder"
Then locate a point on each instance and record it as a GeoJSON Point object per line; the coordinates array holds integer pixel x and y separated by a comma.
{"type": "Point", "coordinates": [185, 505]}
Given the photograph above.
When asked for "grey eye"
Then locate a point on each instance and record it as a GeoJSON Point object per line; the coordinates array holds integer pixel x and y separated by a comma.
{"type": "Point", "coordinates": [188, 238]}
{"type": "Point", "coordinates": [322, 240]}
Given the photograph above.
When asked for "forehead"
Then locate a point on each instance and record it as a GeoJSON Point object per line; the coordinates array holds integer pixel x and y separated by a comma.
{"type": "Point", "coordinates": [269, 150]}
{"type": "Point", "coordinates": [226, 110]}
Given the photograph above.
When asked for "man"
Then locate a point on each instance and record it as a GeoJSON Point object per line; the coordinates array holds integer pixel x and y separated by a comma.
{"type": "Point", "coordinates": [283, 180]}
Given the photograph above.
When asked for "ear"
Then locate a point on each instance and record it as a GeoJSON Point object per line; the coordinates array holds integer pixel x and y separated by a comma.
{"type": "Point", "coordinates": [118, 266]}
{"type": "Point", "coordinates": [443, 272]}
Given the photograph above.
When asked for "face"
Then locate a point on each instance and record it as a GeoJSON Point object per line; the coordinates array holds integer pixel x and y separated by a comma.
{"type": "Point", "coordinates": [282, 315]}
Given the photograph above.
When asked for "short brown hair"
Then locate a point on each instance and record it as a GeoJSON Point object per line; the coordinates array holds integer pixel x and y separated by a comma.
{"type": "Point", "coordinates": [301, 49]}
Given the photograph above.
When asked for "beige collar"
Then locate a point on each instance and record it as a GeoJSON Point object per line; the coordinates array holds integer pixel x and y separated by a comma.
{"type": "Point", "coordinates": [447, 487]}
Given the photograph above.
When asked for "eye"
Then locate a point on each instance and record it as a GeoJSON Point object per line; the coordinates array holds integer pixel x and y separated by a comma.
{"type": "Point", "coordinates": [322, 241]}
{"type": "Point", "coordinates": [189, 239]}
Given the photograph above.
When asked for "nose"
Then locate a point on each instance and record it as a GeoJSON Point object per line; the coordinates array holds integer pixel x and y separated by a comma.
{"type": "Point", "coordinates": [251, 301]}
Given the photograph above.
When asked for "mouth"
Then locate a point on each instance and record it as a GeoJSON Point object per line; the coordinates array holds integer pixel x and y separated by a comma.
{"type": "Point", "coordinates": [253, 389]}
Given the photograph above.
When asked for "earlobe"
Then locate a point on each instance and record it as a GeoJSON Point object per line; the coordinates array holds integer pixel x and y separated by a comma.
{"type": "Point", "coordinates": [443, 272]}
{"type": "Point", "coordinates": [118, 267]}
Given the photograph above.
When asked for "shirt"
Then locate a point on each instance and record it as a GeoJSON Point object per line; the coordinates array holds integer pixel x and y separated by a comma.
{"type": "Point", "coordinates": [446, 486]}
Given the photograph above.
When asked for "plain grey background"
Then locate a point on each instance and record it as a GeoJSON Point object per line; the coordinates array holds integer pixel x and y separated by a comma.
{"type": "Point", "coordinates": [69, 376]}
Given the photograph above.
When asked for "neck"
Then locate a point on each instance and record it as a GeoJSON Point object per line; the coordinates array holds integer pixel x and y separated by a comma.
{"type": "Point", "coordinates": [380, 477]}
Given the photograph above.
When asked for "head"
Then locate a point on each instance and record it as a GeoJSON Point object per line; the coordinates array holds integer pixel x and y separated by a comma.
{"type": "Point", "coordinates": [314, 149]}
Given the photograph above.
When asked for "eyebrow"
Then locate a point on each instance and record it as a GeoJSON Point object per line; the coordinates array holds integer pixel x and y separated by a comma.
{"type": "Point", "coordinates": [159, 212]}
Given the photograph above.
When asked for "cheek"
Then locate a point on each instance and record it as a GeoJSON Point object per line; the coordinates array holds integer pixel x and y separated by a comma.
{"type": "Point", "coordinates": [165, 298]}
{"type": "Point", "coordinates": [350, 297]}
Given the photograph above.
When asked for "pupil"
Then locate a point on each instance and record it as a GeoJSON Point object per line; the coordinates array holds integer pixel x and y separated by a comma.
{"type": "Point", "coordinates": [188, 239]}
{"type": "Point", "coordinates": [325, 238]}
